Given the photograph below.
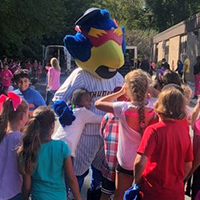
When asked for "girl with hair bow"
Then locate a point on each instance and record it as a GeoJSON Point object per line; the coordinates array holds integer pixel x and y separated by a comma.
{"type": "Point", "coordinates": [13, 116]}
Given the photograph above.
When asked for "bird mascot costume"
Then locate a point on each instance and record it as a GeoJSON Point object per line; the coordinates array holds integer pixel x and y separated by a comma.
{"type": "Point", "coordinates": [98, 49]}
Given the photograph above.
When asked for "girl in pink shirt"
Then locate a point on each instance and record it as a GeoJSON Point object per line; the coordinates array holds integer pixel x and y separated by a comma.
{"type": "Point", "coordinates": [6, 76]}
{"type": "Point", "coordinates": [53, 79]}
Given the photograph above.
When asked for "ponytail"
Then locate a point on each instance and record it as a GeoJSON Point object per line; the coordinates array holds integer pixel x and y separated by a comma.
{"type": "Point", "coordinates": [36, 130]}
{"type": "Point", "coordinates": [28, 151]}
{"type": "Point", "coordinates": [4, 118]}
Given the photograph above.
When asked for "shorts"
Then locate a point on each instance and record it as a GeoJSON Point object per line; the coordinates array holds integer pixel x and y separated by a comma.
{"type": "Point", "coordinates": [119, 169]}
{"type": "Point", "coordinates": [108, 187]}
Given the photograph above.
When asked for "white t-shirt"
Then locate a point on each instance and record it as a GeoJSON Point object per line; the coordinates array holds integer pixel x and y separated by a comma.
{"type": "Point", "coordinates": [71, 134]}
{"type": "Point", "coordinates": [129, 139]}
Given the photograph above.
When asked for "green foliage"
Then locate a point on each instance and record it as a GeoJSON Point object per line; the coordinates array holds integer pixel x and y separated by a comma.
{"type": "Point", "coordinates": [141, 39]}
{"type": "Point", "coordinates": [166, 13]}
{"type": "Point", "coordinates": [129, 13]}
{"type": "Point", "coordinates": [27, 24]}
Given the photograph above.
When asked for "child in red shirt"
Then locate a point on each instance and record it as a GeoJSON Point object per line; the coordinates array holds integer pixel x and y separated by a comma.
{"type": "Point", "coordinates": [164, 157]}
{"type": "Point", "coordinates": [39, 71]}
{"type": "Point", "coordinates": [6, 76]}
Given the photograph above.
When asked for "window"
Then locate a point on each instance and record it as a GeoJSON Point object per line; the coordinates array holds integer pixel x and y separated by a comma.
{"type": "Point", "coordinates": [156, 53]}
{"type": "Point", "coordinates": [167, 50]}
{"type": "Point", "coordinates": [183, 47]}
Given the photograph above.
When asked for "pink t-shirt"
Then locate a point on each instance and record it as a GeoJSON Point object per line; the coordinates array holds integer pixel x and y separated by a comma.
{"type": "Point", "coordinates": [6, 76]}
{"type": "Point", "coordinates": [54, 75]}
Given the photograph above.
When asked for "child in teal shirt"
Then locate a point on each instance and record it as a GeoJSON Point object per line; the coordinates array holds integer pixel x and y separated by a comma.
{"type": "Point", "coordinates": [45, 162]}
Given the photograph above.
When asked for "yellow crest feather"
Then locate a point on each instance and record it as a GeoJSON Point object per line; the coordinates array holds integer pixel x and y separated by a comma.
{"type": "Point", "coordinates": [96, 32]}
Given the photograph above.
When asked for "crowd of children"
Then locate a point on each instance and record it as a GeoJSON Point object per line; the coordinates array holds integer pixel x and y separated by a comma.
{"type": "Point", "coordinates": [9, 66]}
{"type": "Point", "coordinates": [145, 131]}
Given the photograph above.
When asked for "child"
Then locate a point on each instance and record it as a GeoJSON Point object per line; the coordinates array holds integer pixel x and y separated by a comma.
{"type": "Point", "coordinates": [195, 171]}
{"type": "Point", "coordinates": [39, 70]}
{"type": "Point", "coordinates": [109, 131]}
{"type": "Point", "coordinates": [133, 116]}
{"type": "Point", "coordinates": [14, 115]}
{"type": "Point", "coordinates": [81, 101]}
{"type": "Point", "coordinates": [164, 157]}
{"type": "Point", "coordinates": [53, 79]}
{"type": "Point", "coordinates": [44, 161]}
{"type": "Point", "coordinates": [34, 68]}
{"type": "Point", "coordinates": [6, 76]}
{"type": "Point", "coordinates": [33, 97]}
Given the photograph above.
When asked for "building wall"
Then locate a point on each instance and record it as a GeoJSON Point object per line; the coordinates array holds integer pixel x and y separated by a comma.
{"type": "Point", "coordinates": [192, 50]}
{"type": "Point", "coordinates": [174, 44]}
{"type": "Point", "coordinates": [189, 27]}
{"type": "Point", "coordinates": [160, 51]}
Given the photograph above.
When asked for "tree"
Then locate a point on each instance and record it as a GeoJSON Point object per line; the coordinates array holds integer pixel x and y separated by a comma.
{"type": "Point", "coordinates": [141, 39]}
{"type": "Point", "coordinates": [169, 12]}
{"type": "Point", "coordinates": [26, 25]}
{"type": "Point", "coordinates": [130, 13]}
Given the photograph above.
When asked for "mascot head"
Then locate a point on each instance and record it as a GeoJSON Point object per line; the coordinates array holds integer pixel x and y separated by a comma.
{"type": "Point", "coordinates": [98, 45]}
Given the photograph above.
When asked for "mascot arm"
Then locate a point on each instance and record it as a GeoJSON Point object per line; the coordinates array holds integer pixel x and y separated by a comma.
{"type": "Point", "coordinates": [73, 82]}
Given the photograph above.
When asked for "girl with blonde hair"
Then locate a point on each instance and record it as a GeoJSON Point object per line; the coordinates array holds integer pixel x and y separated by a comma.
{"type": "Point", "coordinates": [134, 117]}
{"type": "Point", "coordinates": [53, 79]}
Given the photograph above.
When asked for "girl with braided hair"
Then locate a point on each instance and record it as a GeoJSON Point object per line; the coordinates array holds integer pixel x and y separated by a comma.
{"type": "Point", "coordinates": [134, 117]}
{"type": "Point", "coordinates": [45, 163]}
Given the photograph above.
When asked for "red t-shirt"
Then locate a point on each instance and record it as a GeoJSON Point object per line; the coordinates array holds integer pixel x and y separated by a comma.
{"type": "Point", "coordinates": [167, 144]}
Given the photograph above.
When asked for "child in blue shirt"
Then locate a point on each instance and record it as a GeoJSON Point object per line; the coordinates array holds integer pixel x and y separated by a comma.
{"type": "Point", "coordinates": [32, 96]}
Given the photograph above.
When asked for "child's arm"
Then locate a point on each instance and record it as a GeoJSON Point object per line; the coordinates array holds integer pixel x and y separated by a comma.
{"type": "Point", "coordinates": [196, 153]}
{"type": "Point", "coordinates": [195, 113]}
{"type": "Point", "coordinates": [26, 186]}
{"type": "Point", "coordinates": [106, 103]}
{"type": "Point", "coordinates": [139, 166]}
{"type": "Point", "coordinates": [187, 170]}
{"type": "Point", "coordinates": [90, 117]}
{"type": "Point", "coordinates": [71, 178]}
